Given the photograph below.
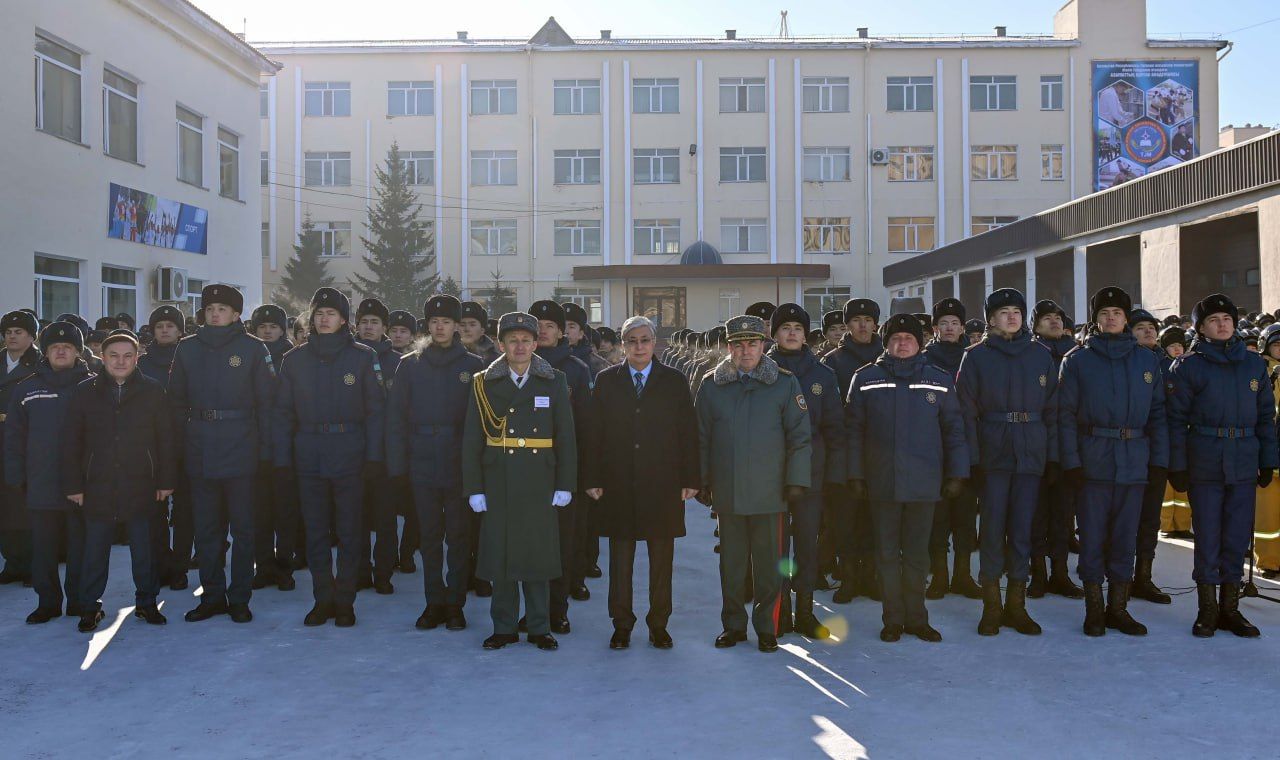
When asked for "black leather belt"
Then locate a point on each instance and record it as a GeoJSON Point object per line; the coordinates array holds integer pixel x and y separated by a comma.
{"type": "Point", "coordinates": [1122, 434]}
{"type": "Point", "coordinates": [332, 427]}
{"type": "Point", "coordinates": [1011, 417]}
{"type": "Point", "coordinates": [210, 415]}
{"type": "Point", "coordinates": [1223, 432]}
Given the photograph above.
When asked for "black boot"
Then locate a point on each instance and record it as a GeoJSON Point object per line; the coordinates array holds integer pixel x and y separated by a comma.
{"type": "Point", "coordinates": [938, 583]}
{"type": "Point", "coordinates": [1060, 582]}
{"type": "Point", "coordinates": [989, 625]}
{"type": "Point", "coordinates": [1207, 618]}
{"type": "Point", "coordinates": [847, 592]}
{"type": "Point", "coordinates": [1015, 610]}
{"type": "Point", "coordinates": [806, 623]}
{"type": "Point", "coordinates": [1229, 617]}
{"type": "Point", "coordinates": [1144, 587]}
{"type": "Point", "coordinates": [785, 623]}
{"type": "Point", "coordinates": [962, 581]}
{"type": "Point", "coordinates": [89, 620]}
{"type": "Point", "coordinates": [1118, 616]}
{"type": "Point", "coordinates": [1095, 611]}
{"type": "Point", "coordinates": [1039, 578]}
{"type": "Point", "coordinates": [150, 614]}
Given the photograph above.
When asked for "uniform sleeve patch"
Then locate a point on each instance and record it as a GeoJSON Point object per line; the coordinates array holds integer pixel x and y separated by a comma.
{"type": "Point", "coordinates": [801, 403]}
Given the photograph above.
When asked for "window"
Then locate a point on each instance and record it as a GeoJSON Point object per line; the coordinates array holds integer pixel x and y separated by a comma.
{"type": "Point", "coordinates": [655, 96]}
{"type": "Point", "coordinates": [909, 234]}
{"type": "Point", "coordinates": [993, 162]}
{"type": "Point", "coordinates": [742, 95]}
{"type": "Point", "coordinates": [588, 298]}
{"type": "Point", "coordinates": [119, 290]}
{"type": "Point", "coordinates": [1051, 93]}
{"type": "Point", "coordinates": [656, 236]}
{"type": "Point", "coordinates": [264, 169]}
{"type": "Point", "coordinates": [264, 100]}
{"type": "Point", "coordinates": [1252, 276]}
{"type": "Point", "coordinates": [190, 147]}
{"type": "Point", "coordinates": [419, 166]}
{"type": "Point", "coordinates": [1050, 162]}
{"type": "Point", "coordinates": [194, 301]}
{"type": "Point", "coordinates": [651, 166]}
{"type": "Point", "coordinates": [826, 164]}
{"type": "Point", "coordinates": [577, 167]}
{"type": "Point", "coordinates": [742, 165]}
{"type": "Point", "coordinates": [981, 224]}
{"type": "Point", "coordinates": [730, 304]}
{"type": "Point", "coordinates": [327, 169]}
{"type": "Point", "coordinates": [993, 93]}
{"type": "Point", "coordinates": [577, 237]}
{"type": "Point", "coordinates": [493, 167]}
{"type": "Point", "coordinates": [910, 93]}
{"type": "Point", "coordinates": [910, 163]}
{"type": "Point", "coordinates": [825, 94]}
{"type": "Point", "coordinates": [228, 163]}
{"type": "Point", "coordinates": [1230, 279]}
{"type": "Point", "coordinates": [327, 98]}
{"type": "Point", "coordinates": [411, 98]}
{"type": "Point", "coordinates": [576, 96]}
{"type": "Point", "coordinates": [335, 238]}
{"type": "Point", "coordinates": [818, 301]}
{"type": "Point", "coordinates": [57, 286]}
{"type": "Point", "coordinates": [57, 90]}
{"type": "Point", "coordinates": [826, 234]}
{"type": "Point", "coordinates": [744, 235]}
{"type": "Point", "coordinates": [266, 240]}
{"type": "Point", "coordinates": [119, 116]}
{"type": "Point", "coordinates": [493, 237]}
{"type": "Point", "coordinates": [489, 96]}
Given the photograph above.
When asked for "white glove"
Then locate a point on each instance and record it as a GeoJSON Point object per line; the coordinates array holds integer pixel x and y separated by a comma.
{"type": "Point", "coordinates": [478, 503]}
{"type": "Point", "coordinates": [561, 499]}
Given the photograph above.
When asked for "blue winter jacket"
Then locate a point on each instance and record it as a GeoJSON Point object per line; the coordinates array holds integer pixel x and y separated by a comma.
{"type": "Point", "coordinates": [1221, 413]}
{"type": "Point", "coordinates": [427, 408]}
{"type": "Point", "coordinates": [906, 432]}
{"type": "Point", "coordinates": [827, 437]}
{"type": "Point", "coordinates": [1006, 388]}
{"type": "Point", "coordinates": [1111, 415]}
{"type": "Point", "coordinates": [849, 357]}
{"type": "Point", "coordinates": [946, 355]}
{"type": "Point", "coordinates": [157, 362]}
{"type": "Point", "coordinates": [1059, 347]}
{"type": "Point", "coordinates": [33, 433]}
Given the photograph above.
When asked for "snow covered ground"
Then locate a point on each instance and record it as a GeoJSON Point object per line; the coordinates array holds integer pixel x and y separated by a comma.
{"type": "Point", "coordinates": [274, 688]}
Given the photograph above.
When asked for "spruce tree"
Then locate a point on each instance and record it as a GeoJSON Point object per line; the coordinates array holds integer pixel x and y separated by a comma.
{"type": "Point", "coordinates": [450, 287]}
{"type": "Point", "coordinates": [305, 272]}
{"type": "Point", "coordinates": [400, 245]}
{"type": "Point", "coordinates": [502, 299]}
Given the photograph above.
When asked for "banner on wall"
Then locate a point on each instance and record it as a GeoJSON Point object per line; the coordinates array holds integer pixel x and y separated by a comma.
{"type": "Point", "coordinates": [1146, 118]}
{"type": "Point", "coordinates": [141, 217]}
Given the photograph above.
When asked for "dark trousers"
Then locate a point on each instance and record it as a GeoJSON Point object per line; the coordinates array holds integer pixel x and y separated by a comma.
{"type": "Point", "coordinates": [902, 547]}
{"type": "Point", "coordinates": [854, 538]}
{"type": "Point", "coordinates": [98, 535]}
{"type": "Point", "coordinates": [411, 534]}
{"type": "Point", "coordinates": [15, 547]}
{"type": "Point", "coordinates": [1222, 517]}
{"type": "Point", "coordinates": [806, 518]}
{"type": "Point", "coordinates": [336, 503]}
{"type": "Point", "coordinates": [275, 525]}
{"type": "Point", "coordinates": [444, 518]}
{"type": "Point", "coordinates": [622, 557]}
{"type": "Point", "coordinates": [504, 607]}
{"type": "Point", "coordinates": [1149, 519]}
{"type": "Point", "coordinates": [588, 550]}
{"type": "Point", "coordinates": [1054, 521]}
{"type": "Point", "coordinates": [1108, 514]}
{"type": "Point", "coordinates": [379, 519]}
{"type": "Point", "coordinates": [762, 541]}
{"type": "Point", "coordinates": [955, 519]}
{"type": "Point", "coordinates": [50, 528]}
{"type": "Point", "coordinates": [219, 504]}
{"type": "Point", "coordinates": [172, 556]}
{"type": "Point", "coordinates": [1008, 507]}
{"type": "Point", "coordinates": [569, 518]}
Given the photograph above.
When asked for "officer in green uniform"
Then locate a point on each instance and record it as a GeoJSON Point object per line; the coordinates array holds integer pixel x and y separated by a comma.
{"type": "Point", "coordinates": [520, 465]}
{"type": "Point", "coordinates": [747, 406]}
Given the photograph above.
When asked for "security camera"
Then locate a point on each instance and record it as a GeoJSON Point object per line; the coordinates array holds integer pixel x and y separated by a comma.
{"type": "Point", "coordinates": [693, 149]}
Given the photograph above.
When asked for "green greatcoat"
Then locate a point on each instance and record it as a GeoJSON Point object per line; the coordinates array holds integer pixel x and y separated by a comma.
{"type": "Point", "coordinates": [754, 437]}
{"type": "Point", "coordinates": [520, 532]}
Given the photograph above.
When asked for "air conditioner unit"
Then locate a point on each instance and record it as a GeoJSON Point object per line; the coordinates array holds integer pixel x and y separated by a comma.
{"type": "Point", "coordinates": [879, 156]}
{"type": "Point", "coordinates": [171, 284]}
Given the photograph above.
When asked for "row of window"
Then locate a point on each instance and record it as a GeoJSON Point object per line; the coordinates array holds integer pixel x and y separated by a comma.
{"type": "Point", "coordinates": [57, 288]}
{"type": "Point", "coordinates": [662, 95]}
{"type": "Point", "coordinates": [58, 74]}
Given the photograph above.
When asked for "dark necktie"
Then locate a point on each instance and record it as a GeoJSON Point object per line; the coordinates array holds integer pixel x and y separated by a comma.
{"type": "Point", "coordinates": [639, 383]}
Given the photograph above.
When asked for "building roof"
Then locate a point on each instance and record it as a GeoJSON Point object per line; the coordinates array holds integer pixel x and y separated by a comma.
{"type": "Point", "coordinates": [230, 40]}
{"type": "Point", "coordinates": [1249, 166]}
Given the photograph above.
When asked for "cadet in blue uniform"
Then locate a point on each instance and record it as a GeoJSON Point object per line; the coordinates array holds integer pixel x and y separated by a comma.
{"type": "Point", "coordinates": [401, 331]}
{"type": "Point", "coordinates": [21, 359]}
{"type": "Point", "coordinates": [1006, 385]}
{"type": "Point", "coordinates": [906, 450]}
{"type": "Point", "coordinates": [379, 512]}
{"type": "Point", "coordinates": [221, 388]}
{"type": "Point", "coordinates": [554, 347]}
{"type": "Point", "coordinates": [276, 521]}
{"type": "Point", "coordinates": [1222, 445]}
{"type": "Point", "coordinates": [577, 330]}
{"type": "Point", "coordinates": [1146, 331]}
{"type": "Point", "coordinates": [1055, 522]}
{"type": "Point", "coordinates": [851, 525]}
{"type": "Point", "coordinates": [957, 517]}
{"type": "Point", "coordinates": [427, 408]}
{"type": "Point", "coordinates": [1114, 438]}
{"type": "Point", "coordinates": [328, 429]}
{"type": "Point", "coordinates": [472, 328]}
{"type": "Point", "coordinates": [789, 326]}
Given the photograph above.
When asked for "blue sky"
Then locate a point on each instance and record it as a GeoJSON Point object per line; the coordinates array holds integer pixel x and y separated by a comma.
{"type": "Point", "coordinates": [1253, 25]}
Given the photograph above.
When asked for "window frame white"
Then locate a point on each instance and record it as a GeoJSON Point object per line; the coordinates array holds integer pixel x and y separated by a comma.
{"type": "Point", "coordinates": [912, 161]}
{"type": "Point", "coordinates": [993, 84]}
{"type": "Point", "coordinates": [590, 299]}
{"type": "Point", "coordinates": [911, 232]}
{"type": "Point", "coordinates": [419, 167]}
{"type": "Point", "coordinates": [266, 240]}
{"type": "Point", "coordinates": [734, 231]}
{"type": "Point", "coordinates": [994, 161]}
{"type": "Point", "coordinates": [495, 231]}
{"type": "Point", "coordinates": [1051, 91]}
{"type": "Point", "coordinates": [651, 157]}
{"type": "Point", "coordinates": [492, 93]}
{"type": "Point", "coordinates": [108, 287]}
{"type": "Point", "coordinates": [582, 235]}
{"type": "Point", "coordinates": [750, 164]}
{"type": "Point", "coordinates": [54, 278]}
{"type": "Point", "coordinates": [910, 91]}
{"type": "Point", "coordinates": [744, 92]}
{"type": "Point", "coordinates": [826, 229]}
{"type": "Point", "coordinates": [110, 90]}
{"type": "Point", "coordinates": [825, 89]}
{"type": "Point", "coordinates": [730, 303]}
{"type": "Point", "coordinates": [666, 91]}
{"type": "Point", "coordinates": [233, 148]}
{"type": "Point", "coordinates": [577, 166]}
{"type": "Point", "coordinates": [1048, 152]}
{"type": "Point", "coordinates": [421, 92]}
{"type": "Point", "coordinates": [828, 298]}
{"type": "Point", "coordinates": [578, 92]}
{"type": "Point", "coordinates": [327, 99]}
{"type": "Point", "coordinates": [200, 134]}
{"type": "Point", "coordinates": [493, 167]}
{"type": "Point", "coordinates": [264, 169]}
{"type": "Point", "coordinates": [986, 223]}
{"type": "Point", "coordinates": [77, 71]}
{"type": "Point", "coordinates": [330, 236]}
{"type": "Point", "coordinates": [328, 163]}
{"type": "Point", "coordinates": [659, 233]}
{"type": "Point", "coordinates": [826, 160]}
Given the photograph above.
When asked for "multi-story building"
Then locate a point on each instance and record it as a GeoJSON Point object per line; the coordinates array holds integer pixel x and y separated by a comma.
{"type": "Point", "coordinates": [688, 177]}
{"type": "Point", "coordinates": [131, 134]}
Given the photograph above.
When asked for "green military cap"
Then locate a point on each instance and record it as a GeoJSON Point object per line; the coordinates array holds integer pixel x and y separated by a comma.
{"type": "Point", "coordinates": [517, 320]}
{"type": "Point", "coordinates": [746, 327]}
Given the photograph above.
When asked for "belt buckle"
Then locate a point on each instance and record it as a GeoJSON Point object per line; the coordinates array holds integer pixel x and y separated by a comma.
{"type": "Point", "coordinates": [208, 415]}
{"type": "Point", "coordinates": [324, 427]}
{"type": "Point", "coordinates": [1231, 432]}
{"type": "Point", "coordinates": [1125, 434]}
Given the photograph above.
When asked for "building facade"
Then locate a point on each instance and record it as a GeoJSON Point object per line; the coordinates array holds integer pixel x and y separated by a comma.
{"type": "Point", "coordinates": [587, 168]}
{"type": "Point", "coordinates": [131, 169]}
